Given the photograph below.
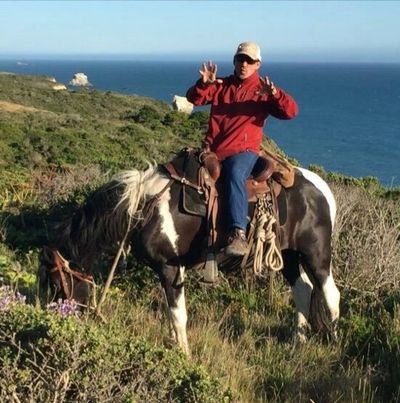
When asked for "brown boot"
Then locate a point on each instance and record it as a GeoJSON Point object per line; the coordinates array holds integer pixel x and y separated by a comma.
{"type": "Point", "coordinates": [237, 243]}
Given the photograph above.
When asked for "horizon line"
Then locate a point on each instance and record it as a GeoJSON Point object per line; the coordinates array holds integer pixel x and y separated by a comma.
{"type": "Point", "coordinates": [183, 57]}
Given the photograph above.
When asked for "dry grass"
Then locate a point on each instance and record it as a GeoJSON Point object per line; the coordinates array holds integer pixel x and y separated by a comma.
{"type": "Point", "coordinates": [54, 184]}
{"type": "Point", "coordinates": [253, 362]}
{"type": "Point", "coordinates": [13, 107]}
{"type": "Point", "coordinates": [366, 243]}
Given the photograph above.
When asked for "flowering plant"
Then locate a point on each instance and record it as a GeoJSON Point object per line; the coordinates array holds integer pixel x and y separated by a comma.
{"type": "Point", "coordinates": [65, 307]}
{"type": "Point", "coordinates": [10, 298]}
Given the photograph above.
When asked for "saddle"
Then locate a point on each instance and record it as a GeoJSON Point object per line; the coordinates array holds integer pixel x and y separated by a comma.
{"type": "Point", "coordinates": [199, 173]}
{"type": "Point", "coordinates": [196, 170]}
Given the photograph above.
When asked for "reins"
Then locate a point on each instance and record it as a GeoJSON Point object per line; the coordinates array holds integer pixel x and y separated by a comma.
{"type": "Point", "coordinates": [64, 268]}
{"type": "Point", "coordinates": [112, 271]}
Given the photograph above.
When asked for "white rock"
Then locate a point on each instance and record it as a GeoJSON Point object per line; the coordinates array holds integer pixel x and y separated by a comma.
{"type": "Point", "coordinates": [80, 80]}
{"type": "Point", "coordinates": [182, 104]}
{"type": "Point", "coordinates": [59, 87]}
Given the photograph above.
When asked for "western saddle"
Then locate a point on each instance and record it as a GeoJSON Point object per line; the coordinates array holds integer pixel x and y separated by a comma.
{"type": "Point", "coordinates": [270, 174]}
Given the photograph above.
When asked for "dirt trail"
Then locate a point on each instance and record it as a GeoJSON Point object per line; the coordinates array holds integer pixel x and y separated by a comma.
{"type": "Point", "coordinates": [13, 107]}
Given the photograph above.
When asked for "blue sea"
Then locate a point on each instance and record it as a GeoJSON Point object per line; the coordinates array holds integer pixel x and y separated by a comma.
{"type": "Point", "coordinates": [349, 120]}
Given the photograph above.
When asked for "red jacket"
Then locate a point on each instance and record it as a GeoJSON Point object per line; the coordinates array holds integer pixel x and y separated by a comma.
{"type": "Point", "coordinates": [238, 114]}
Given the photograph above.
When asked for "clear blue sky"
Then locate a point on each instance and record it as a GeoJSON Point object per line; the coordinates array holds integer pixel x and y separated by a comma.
{"type": "Point", "coordinates": [365, 31]}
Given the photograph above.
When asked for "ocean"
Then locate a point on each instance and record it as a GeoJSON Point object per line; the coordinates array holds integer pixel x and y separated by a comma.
{"type": "Point", "coordinates": [349, 120]}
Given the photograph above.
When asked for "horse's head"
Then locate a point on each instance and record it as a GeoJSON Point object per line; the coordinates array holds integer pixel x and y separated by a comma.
{"type": "Point", "coordinates": [64, 279]}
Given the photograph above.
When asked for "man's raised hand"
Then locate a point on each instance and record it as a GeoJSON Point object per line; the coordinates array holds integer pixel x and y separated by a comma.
{"type": "Point", "coordinates": [267, 87]}
{"type": "Point", "coordinates": [208, 72]}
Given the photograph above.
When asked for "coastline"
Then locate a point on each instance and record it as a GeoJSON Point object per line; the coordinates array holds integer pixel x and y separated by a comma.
{"type": "Point", "coordinates": [343, 125]}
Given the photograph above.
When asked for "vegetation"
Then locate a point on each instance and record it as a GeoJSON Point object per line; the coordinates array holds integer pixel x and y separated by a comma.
{"type": "Point", "coordinates": [57, 146]}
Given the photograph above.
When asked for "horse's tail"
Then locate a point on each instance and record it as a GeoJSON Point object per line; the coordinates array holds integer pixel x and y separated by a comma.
{"type": "Point", "coordinates": [106, 217]}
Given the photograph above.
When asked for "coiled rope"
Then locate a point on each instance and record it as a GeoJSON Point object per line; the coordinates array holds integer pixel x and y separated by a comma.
{"type": "Point", "coordinates": [262, 239]}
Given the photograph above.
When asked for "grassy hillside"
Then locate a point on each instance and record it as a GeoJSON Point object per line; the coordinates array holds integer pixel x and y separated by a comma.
{"type": "Point", "coordinates": [55, 147]}
{"type": "Point", "coordinates": [85, 127]}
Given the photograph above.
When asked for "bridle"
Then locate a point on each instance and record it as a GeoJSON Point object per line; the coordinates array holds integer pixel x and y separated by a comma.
{"type": "Point", "coordinates": [63, 268]}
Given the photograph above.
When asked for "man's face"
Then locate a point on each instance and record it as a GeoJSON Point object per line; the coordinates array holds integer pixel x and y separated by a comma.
{"type": "Point", "coordinates": [245, 66]}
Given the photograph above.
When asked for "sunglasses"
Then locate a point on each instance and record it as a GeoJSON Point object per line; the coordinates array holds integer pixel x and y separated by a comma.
{"type": "Point", "coordinates": [244, 58]}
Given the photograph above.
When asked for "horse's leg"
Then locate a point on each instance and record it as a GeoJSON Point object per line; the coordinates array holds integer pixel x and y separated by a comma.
{"type": "Point", "coordinates": [316, 259]}
{"type": "Point", "coordinates": [332, 298]}
{"type": "Point", "coordinates": [301, 290]}
{"type": "Point", "coordinates": [172, 279]}
{"type": "Point", "coordinates": [172, 334]}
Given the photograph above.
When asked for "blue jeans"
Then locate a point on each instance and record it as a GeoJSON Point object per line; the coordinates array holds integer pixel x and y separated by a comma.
{"type": "Point", "coordinates": [236, 169]}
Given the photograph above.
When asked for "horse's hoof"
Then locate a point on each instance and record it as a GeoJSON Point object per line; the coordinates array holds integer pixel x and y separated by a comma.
{"type": "Point", "coordinates": [301, 335]}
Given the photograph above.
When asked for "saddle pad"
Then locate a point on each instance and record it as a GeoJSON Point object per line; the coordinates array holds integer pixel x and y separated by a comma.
{"type": "Point", "coordinates": [193, 202]}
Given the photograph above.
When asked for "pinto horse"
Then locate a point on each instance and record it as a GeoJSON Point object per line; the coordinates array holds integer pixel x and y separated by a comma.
{"type": "Point", "coordinates": [146, 208]}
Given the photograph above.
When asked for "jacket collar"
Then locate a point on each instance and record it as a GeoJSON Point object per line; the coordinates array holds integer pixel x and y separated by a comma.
{"type": "Point", "coordinates": [254, 78]}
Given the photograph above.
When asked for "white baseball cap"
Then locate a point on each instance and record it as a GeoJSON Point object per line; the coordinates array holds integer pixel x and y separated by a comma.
{"type": "Point", "coordinates": [250, 49]}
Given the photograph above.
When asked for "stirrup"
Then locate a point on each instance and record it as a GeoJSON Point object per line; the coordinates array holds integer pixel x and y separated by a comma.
{"type": "Point", "coordinates": [210, 271]}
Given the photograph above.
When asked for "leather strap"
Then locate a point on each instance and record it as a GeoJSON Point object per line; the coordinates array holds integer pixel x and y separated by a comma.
{"type": "Point", "coordinates": [174, 175]}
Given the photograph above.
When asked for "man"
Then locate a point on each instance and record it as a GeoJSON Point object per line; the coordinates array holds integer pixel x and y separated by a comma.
{"type": "Point", "coordinates": [240, 104]}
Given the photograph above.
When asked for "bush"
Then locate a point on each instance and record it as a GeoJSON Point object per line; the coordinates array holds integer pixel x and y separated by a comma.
{"type": "Point", "coordinates": [186, 127]}
{"type": "Point", "coordinates": [146, 115]}
{"type": "Point", "coordinates": [47, 357]}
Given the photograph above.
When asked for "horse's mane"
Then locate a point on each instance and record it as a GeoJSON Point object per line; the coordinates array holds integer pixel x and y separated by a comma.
{"type": "Point", "coordinates": [134, 184]}
{"type": "Point", "coordinates": [102, 222]}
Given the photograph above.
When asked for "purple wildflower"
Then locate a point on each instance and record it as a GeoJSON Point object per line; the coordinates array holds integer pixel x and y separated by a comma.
{"type": "Point", "coordinates": [64, 307]}
{"type": "Point", "coordinates": [10, 298]}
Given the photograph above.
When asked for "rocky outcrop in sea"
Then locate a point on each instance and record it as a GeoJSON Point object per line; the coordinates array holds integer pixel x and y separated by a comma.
{"type": "Point", "coordinates": [80, 80]}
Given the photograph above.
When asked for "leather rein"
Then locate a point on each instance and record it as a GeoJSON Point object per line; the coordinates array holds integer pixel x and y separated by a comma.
{"type": "Point", "coordinates": [64, 269]}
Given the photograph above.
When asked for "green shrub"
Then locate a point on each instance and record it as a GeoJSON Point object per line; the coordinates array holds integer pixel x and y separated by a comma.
{"type": "Point", "coordinates": [46, 357]}
{"type": "Point", "coordinates": [146, 115]}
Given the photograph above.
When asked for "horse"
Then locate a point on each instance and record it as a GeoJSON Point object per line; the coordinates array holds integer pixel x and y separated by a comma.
{"type": "Point", "coordinates": [144, 208]}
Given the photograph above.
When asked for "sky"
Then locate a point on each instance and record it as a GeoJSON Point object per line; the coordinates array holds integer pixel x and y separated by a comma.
{"type": "Point", "coordinates": [326, 31]}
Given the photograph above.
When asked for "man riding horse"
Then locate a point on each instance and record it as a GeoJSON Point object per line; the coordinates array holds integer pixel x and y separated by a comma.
{"type": "Point", "coordinates": [144, 208]}
{"type": "Point", "coordinates": [240, 105]}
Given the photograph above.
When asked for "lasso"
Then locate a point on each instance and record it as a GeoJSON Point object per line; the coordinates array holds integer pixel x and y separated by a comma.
{"type": "Point", "coordinates": [261, 233]}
